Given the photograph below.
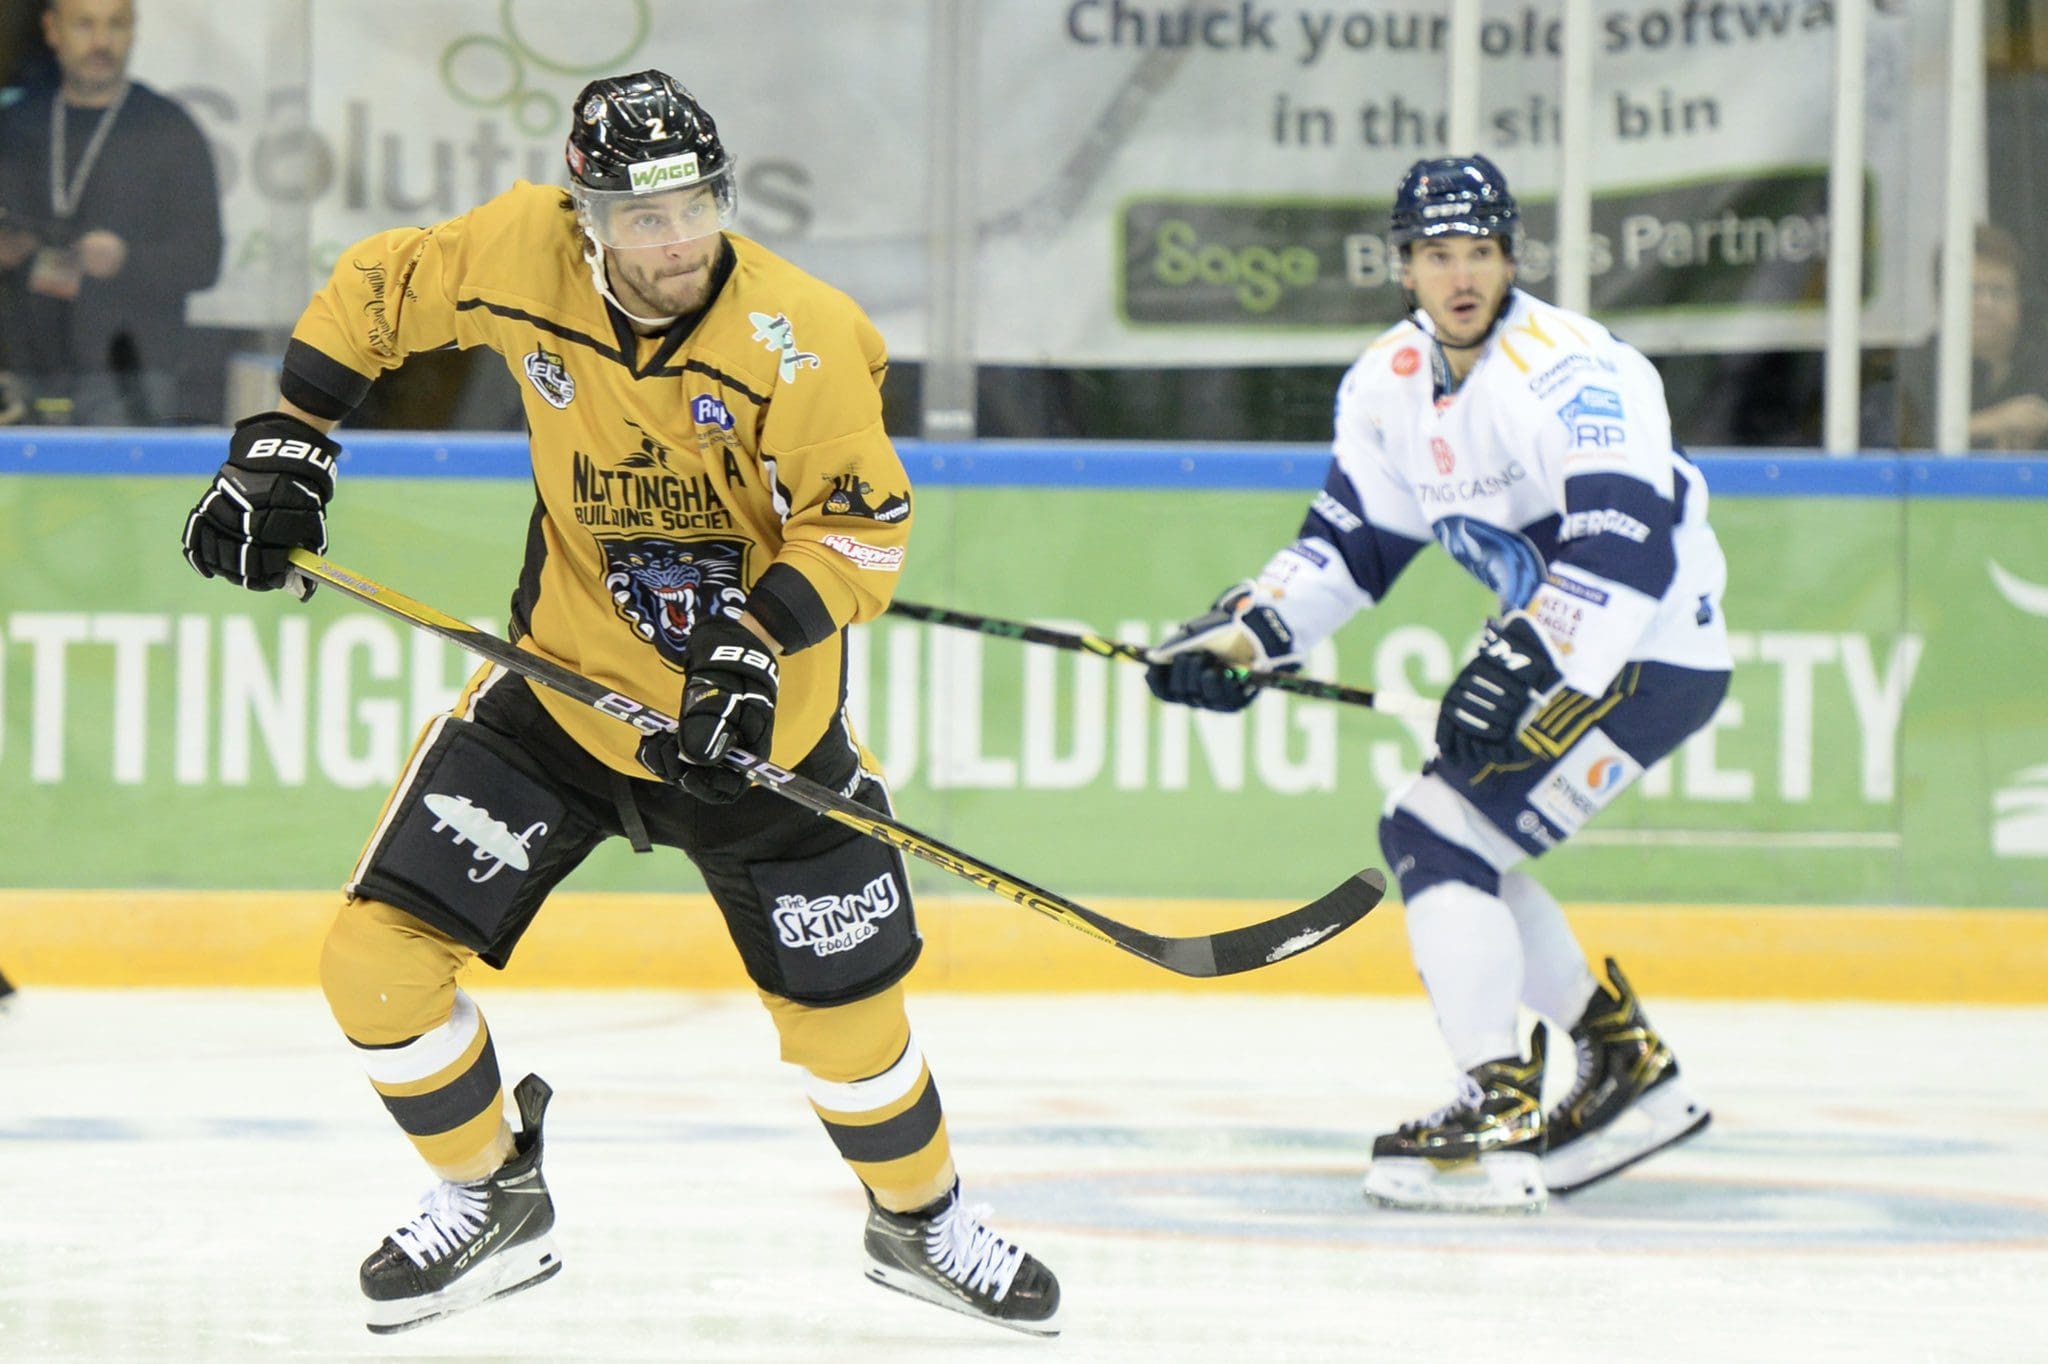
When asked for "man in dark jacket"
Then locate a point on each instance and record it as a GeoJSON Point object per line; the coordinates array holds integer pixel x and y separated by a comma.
{"type": "Point", "coordinates": [109, 218]}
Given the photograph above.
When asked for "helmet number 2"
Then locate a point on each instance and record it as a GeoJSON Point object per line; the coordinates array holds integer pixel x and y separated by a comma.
{"type": "Point", "coordinates": [656, 129]}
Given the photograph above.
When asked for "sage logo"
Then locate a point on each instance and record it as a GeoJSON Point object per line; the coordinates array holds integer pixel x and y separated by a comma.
{"type": "Point", "coordinates": [1255, 273]}
{"type": "Point", "coordinates": [1232, 263]}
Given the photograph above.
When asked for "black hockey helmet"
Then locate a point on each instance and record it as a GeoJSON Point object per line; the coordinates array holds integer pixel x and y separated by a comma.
{"type": "Point", "coordinates": [1462, 194]}
{"type": "Point", "coordinates": [631, 137]}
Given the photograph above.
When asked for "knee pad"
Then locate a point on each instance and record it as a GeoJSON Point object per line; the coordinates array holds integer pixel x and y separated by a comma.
{"type": "Point", "coordinates": [388, 977]}
{"type": "Point", "coordinates": [1419, 857]}
{"type": "Point", "coordinates": [842, 1042]}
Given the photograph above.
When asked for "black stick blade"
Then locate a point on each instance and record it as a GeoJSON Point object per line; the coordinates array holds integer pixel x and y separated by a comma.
{"type": "Point", "coordinates": [1261, 944]}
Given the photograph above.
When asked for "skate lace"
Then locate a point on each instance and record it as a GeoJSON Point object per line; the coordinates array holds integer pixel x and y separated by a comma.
{"type": "Point", "coordinates": [450, 1215]}
{"type": "Point", "coordinates": [1469, 1095]}
{"type": "Point", "coordinates": [960, 1245]}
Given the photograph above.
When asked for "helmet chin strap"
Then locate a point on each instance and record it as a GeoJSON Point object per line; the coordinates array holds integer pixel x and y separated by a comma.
{"type": "Point", "coordinates": [593, 256]}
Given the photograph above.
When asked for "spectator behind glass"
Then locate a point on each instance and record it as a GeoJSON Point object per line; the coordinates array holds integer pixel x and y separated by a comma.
{"type": "Point", "coordinates": [2008, 367]}
{"type": "Point", "coordinates": [109, 219]}
{"type": "Point", "coordinates": [2008, 371]}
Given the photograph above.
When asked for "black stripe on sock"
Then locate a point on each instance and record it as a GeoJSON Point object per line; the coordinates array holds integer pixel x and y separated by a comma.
{"type": "Point", "coordinates": [453, 1104]}
{"type": "Point", "coordinates": [894, 1138]}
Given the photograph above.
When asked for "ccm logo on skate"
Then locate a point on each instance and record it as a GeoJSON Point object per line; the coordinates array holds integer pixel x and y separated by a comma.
{"type": "Point", "coordinates": [476, 1246]}
{"type": "Point", "coordinates": [835, 923]}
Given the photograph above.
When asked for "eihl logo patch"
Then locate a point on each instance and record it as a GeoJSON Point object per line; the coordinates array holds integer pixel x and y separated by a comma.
{"type": "Point", "coordinates": [550, 377]}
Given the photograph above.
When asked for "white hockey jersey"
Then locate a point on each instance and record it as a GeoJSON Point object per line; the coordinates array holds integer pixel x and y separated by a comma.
{"type": "Point", "coordinates": [1549, 474]}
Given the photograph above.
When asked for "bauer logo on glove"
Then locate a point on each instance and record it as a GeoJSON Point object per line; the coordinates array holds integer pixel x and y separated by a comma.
{"type": "Point", "coordinates": [268, 499]}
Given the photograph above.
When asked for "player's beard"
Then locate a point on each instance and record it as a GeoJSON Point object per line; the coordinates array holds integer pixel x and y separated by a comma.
{"type": "Point", "coordinates": [667, 289]}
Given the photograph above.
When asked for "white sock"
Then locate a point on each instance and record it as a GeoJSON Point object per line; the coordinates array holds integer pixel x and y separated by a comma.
{"type": "Point", "coordinates": [1556, 981]}
{"type": "Point", "coordinates": [1470, 959]}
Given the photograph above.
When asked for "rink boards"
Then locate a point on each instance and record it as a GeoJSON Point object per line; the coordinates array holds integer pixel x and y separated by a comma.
{"type": "Point", "coordinates": [1868, 817]}
{"type": "Point", "coordinates": [978, 943]}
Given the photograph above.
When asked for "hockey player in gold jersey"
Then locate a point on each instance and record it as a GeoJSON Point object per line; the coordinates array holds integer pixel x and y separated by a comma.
{"type": "Point", "coordinates": [717, 501]}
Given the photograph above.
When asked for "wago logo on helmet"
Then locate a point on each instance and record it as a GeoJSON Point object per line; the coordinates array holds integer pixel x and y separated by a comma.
{"type": "Point", "coordinates": [649, 176]}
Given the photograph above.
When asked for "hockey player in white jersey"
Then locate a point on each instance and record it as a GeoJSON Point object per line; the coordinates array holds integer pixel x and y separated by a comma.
{"type": "Point", "coordinates": [1536, 449]}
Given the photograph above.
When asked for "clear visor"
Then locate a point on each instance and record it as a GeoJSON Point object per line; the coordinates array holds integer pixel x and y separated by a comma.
{"type": "Point", "coordinates": [626, 221]}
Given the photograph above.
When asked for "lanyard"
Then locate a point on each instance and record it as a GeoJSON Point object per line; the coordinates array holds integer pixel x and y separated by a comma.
{"type": "Point", "coordinates": [64, 198]}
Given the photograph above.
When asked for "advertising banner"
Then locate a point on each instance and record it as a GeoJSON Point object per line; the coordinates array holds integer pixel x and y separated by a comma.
{"type": "Point", "coordinates": [1197, 183]}
{"type": "Point", "coordinates": [1883, 741]}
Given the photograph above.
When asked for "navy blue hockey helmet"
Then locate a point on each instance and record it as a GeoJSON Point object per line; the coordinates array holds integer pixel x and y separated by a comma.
{"type": "Point", "coordinates": [1462, 194]}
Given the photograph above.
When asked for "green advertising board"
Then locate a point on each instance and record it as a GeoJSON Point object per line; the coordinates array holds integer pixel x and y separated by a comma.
{"type": "Point", "coordinates": [1884, 740]}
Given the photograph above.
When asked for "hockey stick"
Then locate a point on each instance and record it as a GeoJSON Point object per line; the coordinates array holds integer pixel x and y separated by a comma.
{"type": "Point", "coordinates": [1210, 954]}
{"type": "Point", "coordinates": [1390, 703]}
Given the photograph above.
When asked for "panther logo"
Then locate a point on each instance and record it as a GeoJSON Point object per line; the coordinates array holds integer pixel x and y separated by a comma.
{"type": "Point", "coordinates": [663, 588]}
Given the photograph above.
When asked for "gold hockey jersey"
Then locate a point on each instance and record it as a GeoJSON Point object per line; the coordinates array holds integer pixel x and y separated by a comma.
{"type": "Point", "coordinates": [742, 461]}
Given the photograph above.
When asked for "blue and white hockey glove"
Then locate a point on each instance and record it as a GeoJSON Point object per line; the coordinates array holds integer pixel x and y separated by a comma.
{"type": "Point", "coordinates": [1193, 666]}
{"type": "Point", "coordinates": [1495, 696]}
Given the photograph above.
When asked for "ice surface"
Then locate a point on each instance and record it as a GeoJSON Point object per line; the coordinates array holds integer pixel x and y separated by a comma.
{"type": "Point", "coordinates": [188, 1176]}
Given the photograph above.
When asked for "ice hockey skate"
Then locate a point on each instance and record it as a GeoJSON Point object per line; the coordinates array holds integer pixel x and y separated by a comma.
{"type": "Point", "coordinates": [1627, 1103]}
{"type": "Point", "coordinates": [946, 1254]}
{"type": "Point", "coordinates": [471, 1242]}
{"type": "Point", "coordinates": [1482, 1152]}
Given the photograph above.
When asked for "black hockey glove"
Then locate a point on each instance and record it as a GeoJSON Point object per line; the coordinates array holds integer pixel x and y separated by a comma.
{"type": "Point", "coordinates": [729, 688]}
{"type": "Point", "coordinates": [1193, 666]}
{"type": "Point", "coordinates": [1495, 695]}
{"type": "Point", "coordinates": [268, 499]}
